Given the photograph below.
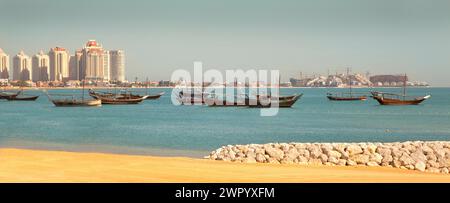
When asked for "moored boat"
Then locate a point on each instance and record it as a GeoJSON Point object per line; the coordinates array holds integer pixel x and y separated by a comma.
{"type": "Point", "coordinates": [19, 96]}
{"type": "Point", "coordinates": [117, 98]}
{"type": "Point", "coordinates": [347, 96]}
{"type": "Point", "coordinates": [151, 96]}
{"type": "Point", "coordinates": [398, 99]}
{"type": "Point", "coordinates": [4, 95]}
{"type": "Point", "coordinates": [67, 100]}
{"type": "Point", "coordinates": [22, 97]}
{"type": "Point", "coordinates": [281, 102]}
{"type": "Point", "coordinates": [154, 96]}
{"type": "Point", "coordinates": [258, 102]}
{"type": "Point", "coordinates": [76, 102]}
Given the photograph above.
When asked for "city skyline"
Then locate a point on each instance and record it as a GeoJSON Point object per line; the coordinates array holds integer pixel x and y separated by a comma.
{"type": "Point", "coordinates": [91, 63]}
{"type": "Point", "coordinates": [382, 37]}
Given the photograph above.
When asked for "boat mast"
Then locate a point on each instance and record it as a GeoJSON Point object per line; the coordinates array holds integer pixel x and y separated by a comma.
{"type": "Point", "coordinates": [82, 94]}
{"type": "Point", "coordinates": [404, 86]}
{"type": "Point", "coordinates": [21, 86]}
{"type": "Point", "coordinates": [349, 80]}
{"type": "Point", "coordinates": [146, 86]}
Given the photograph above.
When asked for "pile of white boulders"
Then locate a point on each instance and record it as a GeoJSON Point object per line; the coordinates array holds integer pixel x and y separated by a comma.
{"type": "Point", "coordinates": [418, 155]}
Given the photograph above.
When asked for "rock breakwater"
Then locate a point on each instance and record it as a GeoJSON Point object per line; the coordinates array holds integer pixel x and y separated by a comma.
{"type": "Point", "coordinates": [418, 155]}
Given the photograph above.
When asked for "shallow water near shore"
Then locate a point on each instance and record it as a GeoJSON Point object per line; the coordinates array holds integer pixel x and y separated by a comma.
{"type": "Point", "coordinates": [158, 127]}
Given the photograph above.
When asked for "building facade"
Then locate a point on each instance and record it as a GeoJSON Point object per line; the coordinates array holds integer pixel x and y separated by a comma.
{"type": "Point", "coordinates": [75, 66]}
{"type": "Point", "coordinates": [40, 67]}
{"type": "Point", "coordinates": [92, 61]}
{"type": "Point", "coordinates": [4, 65]}
{"type": "Point", "coordinates": [106, 66]}
{"type": "Point", "coordinates": [22, 67]}
{"type": "Point", "coordinates": [117, 58]}
{"type": "Point", "coordinates": [59, 64]}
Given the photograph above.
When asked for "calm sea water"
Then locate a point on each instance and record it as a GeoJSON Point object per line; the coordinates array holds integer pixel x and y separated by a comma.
{"type": "Point", "coordinates": [157, 127]}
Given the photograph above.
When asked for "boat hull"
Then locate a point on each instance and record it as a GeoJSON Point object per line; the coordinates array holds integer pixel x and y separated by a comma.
{"type": "Point", "coordinates": [120, 101]}
{"type": "Point", "coordinates": [117, 99]}
{"type": "Point", "coordinates": [383, 99]}
{"type": "Point", "coordinates": [386, 101]}
{"type": "Point", "coordinates": [75, 103]}
{"type": "Point", "coordinates": [153, 97]}
{"type": "Point", "coordinates": [5, 95]}
{"type": "Point", "coordinates": [22, 98]}
{"type": "Point", "coordinates": [334, 98]}
{"type": "Point", "coordinates": [283, 102]}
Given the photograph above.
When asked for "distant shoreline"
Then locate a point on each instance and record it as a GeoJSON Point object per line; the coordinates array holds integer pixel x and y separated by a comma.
{"type": "Point", "coordinates": [95, 87]}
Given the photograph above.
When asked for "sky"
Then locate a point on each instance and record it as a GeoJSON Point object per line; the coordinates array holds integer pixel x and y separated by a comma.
{"type": "Point", "coordinates": [313, 37]}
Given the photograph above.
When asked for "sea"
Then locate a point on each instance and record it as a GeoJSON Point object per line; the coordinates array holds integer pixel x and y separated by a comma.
{"type": "Point", "coordinates": [158, 127]}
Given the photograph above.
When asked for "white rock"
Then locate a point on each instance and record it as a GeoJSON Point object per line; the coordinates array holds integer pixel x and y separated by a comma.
{"type": "Point", "coordinates": [354, 150]}
{"type": "Point", "coordinates": [323, 158]}
{"type": "Point", "coordinates": [360, 158]}
{"type": "Point", "coordinates": [371, 148]}
{"type": "Point", "coordinates": [335, 154]}
{"type": "Point", "coordinates": [333, 160]}
{"type": "Point", "coordinates": [342, 162]}
{"type": "Point", "coordinates": [314, 151]}
{"type": "Point", "coordinates": [302, 160]}
{"type": "Point", "coordinates": [420, 165]}
{"type": "Point", "coordinates": [291, 154]}
{"type": "Point", "coordinates": [406, 160]}
{"type": "Point", "coordinates": [376, 158]}
{"type": "Point", "coordinates": [275, 153]}
{"type": "Point", "coordinates": [260, 158]}
{"type": "Point", "coordinates": [351, 163]}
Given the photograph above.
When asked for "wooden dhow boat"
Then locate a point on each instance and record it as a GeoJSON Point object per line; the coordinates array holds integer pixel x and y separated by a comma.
{"type": "Point", "coordinates": [282, 101]}
{"type": "Point", "coordinates": [147, 96]}
{"type": "Point", "coordinates": [347, 96]}
{"type": "Point", "coordinates": [76, 102]}
{"type": "Point", "coordinates": [154, 96]}
{"type": "Point", "coordinates": [5, 94]}
{"type": "Point", "coordinates": [68, 100]}
{"type": "Point", "coordinates": [398, 99]}
{"type": "Point", "coordinates": [22, 97]}
{"type": "Point", "coordinates": [18, 96]}
{"type": "Point", "coordinates": [259, 102]}
{"type": "Point", "coordinates": [110, 98]}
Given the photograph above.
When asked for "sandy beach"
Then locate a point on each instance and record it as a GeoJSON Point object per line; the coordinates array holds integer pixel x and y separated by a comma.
{"type": "Point", "coordinates": [23, 165]}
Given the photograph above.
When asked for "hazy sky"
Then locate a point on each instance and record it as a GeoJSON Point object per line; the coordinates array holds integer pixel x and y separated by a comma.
{"type": "Point", "coordinates": [380, 36]}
